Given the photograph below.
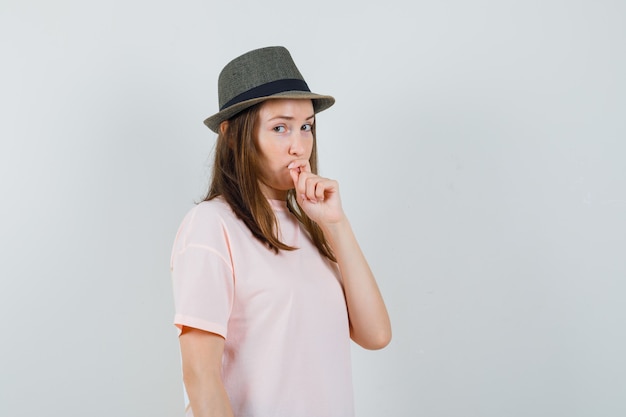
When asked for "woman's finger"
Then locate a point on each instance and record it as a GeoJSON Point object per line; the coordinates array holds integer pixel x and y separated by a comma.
{"type": "Point", "coordinates": [320, 191]}
{"type": "Point", "coordinates": [311, 184]}
{"type": "Point", "coordinates": [302, 164]}
{"type": "Point", "coordinates": [316, 188]}
{"type": "Point", "coordinates": [295, 175]}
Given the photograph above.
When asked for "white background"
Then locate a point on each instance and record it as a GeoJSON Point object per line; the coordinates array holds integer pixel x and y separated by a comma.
{"type": "Point", "coordinates": [481, 150]}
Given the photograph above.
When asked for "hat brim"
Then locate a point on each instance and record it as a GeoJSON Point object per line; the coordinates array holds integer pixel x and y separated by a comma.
{"type": "Point", "coordinates": [320, 103]}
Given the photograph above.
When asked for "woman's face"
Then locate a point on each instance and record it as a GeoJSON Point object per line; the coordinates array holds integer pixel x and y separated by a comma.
{"type": "Point", "coordinates": [283, 136]}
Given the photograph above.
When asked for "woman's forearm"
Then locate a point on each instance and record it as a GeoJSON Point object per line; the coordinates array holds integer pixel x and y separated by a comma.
{"type": "Point", "coordinates": [370, 326]}
{"type": "Point", "coordinates": [207, 396]}
{"type": "Point", "coordinates": [202, 356]}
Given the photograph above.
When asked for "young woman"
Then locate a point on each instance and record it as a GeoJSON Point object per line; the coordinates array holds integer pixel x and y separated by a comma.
{"type": "Point", "coordinates": [269, 281]}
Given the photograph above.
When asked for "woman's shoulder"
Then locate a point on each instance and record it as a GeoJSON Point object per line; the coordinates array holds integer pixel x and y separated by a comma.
{"type": "Point", "coordinates": [206, 225]}
{"type": "Point", "coordinates": [215, 208]}
{"type": "Point", "coordinates": [209, 213]}
{"type": "Point", "coordinates": [206, 219]}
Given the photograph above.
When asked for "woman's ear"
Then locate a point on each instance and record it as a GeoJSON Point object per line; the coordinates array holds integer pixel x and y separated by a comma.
{"type": "Point", "coordinates": [223, 126]}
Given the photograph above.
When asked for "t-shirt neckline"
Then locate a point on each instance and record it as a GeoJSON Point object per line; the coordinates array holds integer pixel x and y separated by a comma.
{"type": "Point", "coordinates": [280, 205]}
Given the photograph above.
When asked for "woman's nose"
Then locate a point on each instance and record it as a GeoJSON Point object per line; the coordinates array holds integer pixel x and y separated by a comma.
{"type": "Point", "coordinates": [297, 144]}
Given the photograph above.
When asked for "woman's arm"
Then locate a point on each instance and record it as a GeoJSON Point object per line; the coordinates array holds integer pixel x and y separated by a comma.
{"type": "Point", "coordinates": [202, 363]}
{"type": "Point", "coordinates": [370, 326]}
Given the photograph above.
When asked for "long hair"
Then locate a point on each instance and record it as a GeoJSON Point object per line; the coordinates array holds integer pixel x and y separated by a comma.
{"type": "Point", "coordinates": [235, 177]}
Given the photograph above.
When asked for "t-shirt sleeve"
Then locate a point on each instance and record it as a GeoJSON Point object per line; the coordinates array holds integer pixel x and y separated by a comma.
{"type": "Point", "coordinates": [203, 286]}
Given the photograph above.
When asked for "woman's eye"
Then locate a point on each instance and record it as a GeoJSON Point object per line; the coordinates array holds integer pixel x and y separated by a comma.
{"type": "Point", "coordinates": [280, 129]}
{"type": "Point", "coordinates": [307, 127]}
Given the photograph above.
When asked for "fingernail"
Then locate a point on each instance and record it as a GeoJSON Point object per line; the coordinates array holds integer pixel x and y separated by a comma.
{"type": "Point", "coordinates": [290, 166]}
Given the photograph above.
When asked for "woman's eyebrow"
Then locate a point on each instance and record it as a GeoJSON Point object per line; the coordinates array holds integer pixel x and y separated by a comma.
{"type": "Point", "coordinates": [289, 118]}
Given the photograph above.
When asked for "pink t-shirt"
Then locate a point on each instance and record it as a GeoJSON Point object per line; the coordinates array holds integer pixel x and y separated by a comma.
{"type": "Point", "coordinates": [283, 316]}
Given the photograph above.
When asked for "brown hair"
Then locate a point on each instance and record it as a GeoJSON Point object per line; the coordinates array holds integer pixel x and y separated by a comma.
{"type": "Point", "coordinates": [236, 176]}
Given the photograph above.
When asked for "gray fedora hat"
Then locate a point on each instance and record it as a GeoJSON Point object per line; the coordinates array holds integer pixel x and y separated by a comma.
{"type": "Point", "coordinates": [259, 75]}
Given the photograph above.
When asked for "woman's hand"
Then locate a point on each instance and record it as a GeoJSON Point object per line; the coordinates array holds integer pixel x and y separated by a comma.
{"type": "Point", "coordinates": [318, 196]}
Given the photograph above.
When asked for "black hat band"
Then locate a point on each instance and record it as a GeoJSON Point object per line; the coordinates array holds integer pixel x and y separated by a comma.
{"type": "Point", "coordinates": [268, 89]}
